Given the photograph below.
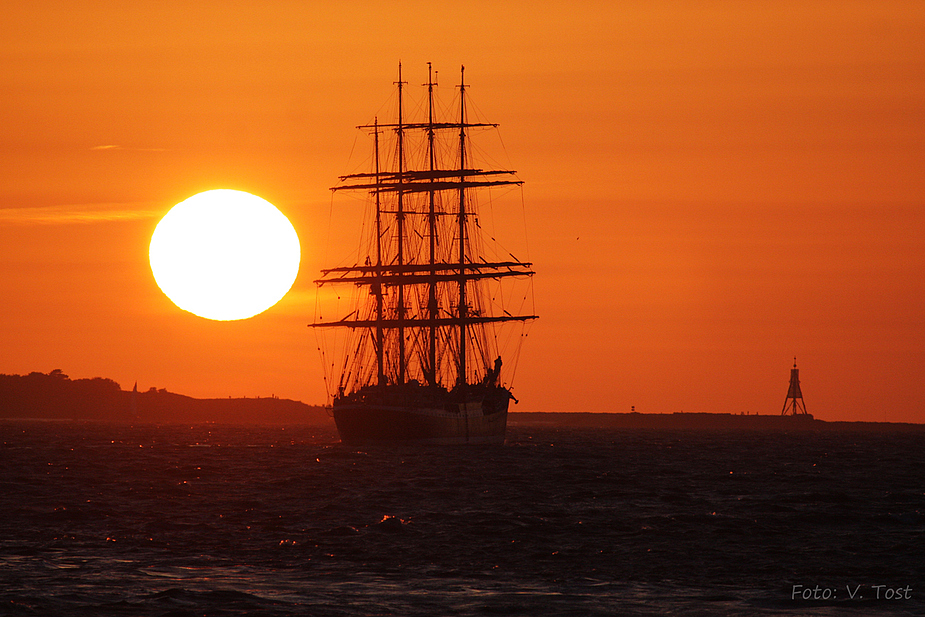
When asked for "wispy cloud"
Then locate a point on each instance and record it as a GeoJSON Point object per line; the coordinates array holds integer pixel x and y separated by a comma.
{"type": "Point", "coordinates": [129, 149]}
{"type": "Point", "coordinates": [76, 213]}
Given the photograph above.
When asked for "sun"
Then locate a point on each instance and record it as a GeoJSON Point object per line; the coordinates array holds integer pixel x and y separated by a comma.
{"type": "Point", "coordinates": [224, 255]}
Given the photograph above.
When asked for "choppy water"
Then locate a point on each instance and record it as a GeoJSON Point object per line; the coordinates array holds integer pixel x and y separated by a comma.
{"type": "Point", "coordinates": [99, 519]}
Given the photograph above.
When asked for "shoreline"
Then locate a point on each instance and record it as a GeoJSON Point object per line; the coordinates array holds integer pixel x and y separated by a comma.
{"type": "Point", "coordinates": [697, 420]}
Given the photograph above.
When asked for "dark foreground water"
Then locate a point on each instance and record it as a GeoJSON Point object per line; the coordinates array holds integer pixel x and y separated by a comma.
{"type": "Point", "coordinates": [99, 519]}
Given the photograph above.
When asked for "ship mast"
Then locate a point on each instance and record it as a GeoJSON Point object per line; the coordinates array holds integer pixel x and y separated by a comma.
{"type": "Point", "coordinates": [377, 285]}
{"type": "Point", "coordinates": [431, 371]}
{"type": "Point", "coordinates": [461, 373]}
{"type": "Point", "coordinates": [400, 217]}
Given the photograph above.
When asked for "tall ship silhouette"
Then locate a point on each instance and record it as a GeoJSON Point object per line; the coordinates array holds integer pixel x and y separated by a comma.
{"type": "Point", "coordinates": [420, 352]}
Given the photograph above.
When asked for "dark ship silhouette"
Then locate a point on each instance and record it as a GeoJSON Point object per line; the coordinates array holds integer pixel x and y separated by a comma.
{"type": "Point", "coordinates": [423, 363]}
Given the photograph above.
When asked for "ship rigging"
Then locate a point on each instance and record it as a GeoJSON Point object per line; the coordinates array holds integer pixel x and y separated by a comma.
{"type": "Point", "coordinates": [422, 328]}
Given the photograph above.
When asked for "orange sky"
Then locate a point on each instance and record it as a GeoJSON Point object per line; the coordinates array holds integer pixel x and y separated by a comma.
{"type": "Point", "coordinates": [711, 187]}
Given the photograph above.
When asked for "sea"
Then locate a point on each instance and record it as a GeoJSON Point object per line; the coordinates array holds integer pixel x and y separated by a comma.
{"type": "Point", "coordinates": [214, 520]}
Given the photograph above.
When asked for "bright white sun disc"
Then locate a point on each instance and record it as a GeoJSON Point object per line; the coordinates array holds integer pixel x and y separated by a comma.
{"type": "Point", "coordinates": [224, 255]}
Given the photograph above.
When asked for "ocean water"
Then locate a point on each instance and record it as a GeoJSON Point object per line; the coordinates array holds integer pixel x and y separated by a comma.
{"type": "Point", "coordinates": [100, 519]}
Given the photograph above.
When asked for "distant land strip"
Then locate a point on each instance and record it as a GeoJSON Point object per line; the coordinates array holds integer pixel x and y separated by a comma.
{"type": "Point", "coordinates": [55, 396]}
{"type": "Point", "coordinates": [697, 420]}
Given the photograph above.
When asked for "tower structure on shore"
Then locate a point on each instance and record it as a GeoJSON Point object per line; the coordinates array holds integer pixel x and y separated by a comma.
{"type": "Point", "coordinates": [793, 404]}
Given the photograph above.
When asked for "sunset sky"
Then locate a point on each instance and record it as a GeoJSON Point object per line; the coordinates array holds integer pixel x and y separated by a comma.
{"type": "Point", "coordinates": [711, 188]}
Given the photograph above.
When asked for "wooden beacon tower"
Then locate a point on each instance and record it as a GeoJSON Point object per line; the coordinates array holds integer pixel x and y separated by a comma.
{"type": "Point", "coordinates": [793, 404]}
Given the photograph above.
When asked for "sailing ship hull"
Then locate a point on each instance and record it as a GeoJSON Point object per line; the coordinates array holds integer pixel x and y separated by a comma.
{"type": "Point", "coordinates": [472, 422]}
